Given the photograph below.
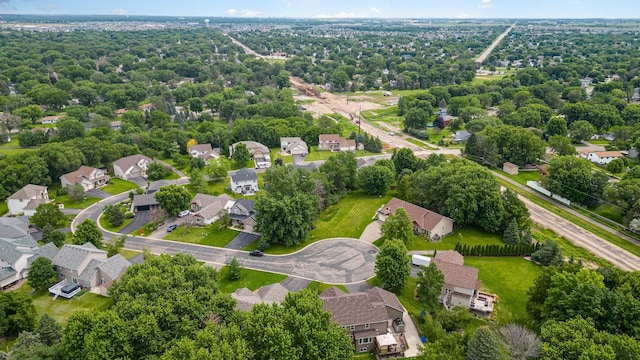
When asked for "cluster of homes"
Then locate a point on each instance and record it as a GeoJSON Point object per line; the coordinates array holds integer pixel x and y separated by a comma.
{"type": "Point", "coordinates": [84, 265]}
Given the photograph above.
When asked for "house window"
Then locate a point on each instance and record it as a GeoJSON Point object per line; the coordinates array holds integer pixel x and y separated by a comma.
{"type": "Point", "coordinates": [447, 291]}
{"type": "Point", "coordinates": [364, 349]}
{"type": "Point", "coordinates": [366, 326]}
{"type": "Point", "coordinates": [74, 280]}
{"type": "Point", "coordinates": [352, 327]}
{"type": "Point", "coordinates": [364, 341]}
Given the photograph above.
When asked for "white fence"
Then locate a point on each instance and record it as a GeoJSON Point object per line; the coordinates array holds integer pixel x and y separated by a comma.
{"type": "Point", "coordinates": [537, 187]}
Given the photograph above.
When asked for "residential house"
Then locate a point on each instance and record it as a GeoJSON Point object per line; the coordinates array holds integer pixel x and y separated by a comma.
{"type": "Point", "coordinates": [87, 176]}
{"type": "Point", "coordinates": [50, 119]}
{"type": "Point", "coordinates": [115, 125]}
{"type": "Point", "coordinates": [18, 250]}
{"type": "Point", "coordinates": [461, 284]}
{"type": "Point", "coordinates": [244, 181]}
{"type": "Point", "coordinates": [203, 151]}
{"type": "Point", "coordinates": [586, 82]}
{"type": "Point", "coordinates": [205, 209]}
{"type": "Point", "coordinates": [335, 142]}
{"type": "Point", "coordinates": [366, 161]}
{"type": "Point", "coordinates": [293, 146]}
{"type": "Point", "coordinates": [364, 315]}
{"type": "Point", "coordinates": [601, 157]}
{"type": "Point", "coordinates": [243, 215]}
{"type": "Point", "coordinates": [461, 136]}
{"type": "Point", "coordinates": [510, 168]}
{"type": "Point", "coordinates": [425, 222]}
{"type": "Point", "coordinates": [269, 294]}
{"type": "Point", "coordinates": [259, 153]}
{"type": "Point", "coordinates": [144, 202]}
{"type": "Point", "coordinates": [89, 266]}
{"type": "Point", "coordinates": [130, 167]}
{"type": "Point", "coordinates": [27, 199]}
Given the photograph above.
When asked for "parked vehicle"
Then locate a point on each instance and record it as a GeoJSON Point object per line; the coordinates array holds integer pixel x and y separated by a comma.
{"type": "Point", "coordinates": [420, 260]}
{"type": "Point", "coordinates": [172, 227]}
{"type": "Point", "coordinates": [257, 253]}
{"type": "Point", "coordinates": [184, 213]}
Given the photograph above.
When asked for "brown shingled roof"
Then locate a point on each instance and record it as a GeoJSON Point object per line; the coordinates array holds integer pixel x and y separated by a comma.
{"type": "Point", "coordinates": [425, 219]}
{"type": "Point", "coordinates": [360, 308]}
{"type": "Point", "coordinates": [458, 275]}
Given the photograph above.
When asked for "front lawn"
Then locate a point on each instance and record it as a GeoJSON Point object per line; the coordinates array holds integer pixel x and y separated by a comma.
{"type": "Point", "coordinates": [524, 176]}
{"type": "Point", "coordinates": [320, 287]}
{"type": "Point", "coordinates": [4, 208]}
{"type": "Point", "coordinates": [107, 226]}
{"type": "Point", "coordinates": [251, 279]}
{"type": "Point", "coordinates": [316, 155]}
{"type": "Point", "coordinates": [348, 218]}
{"type": "Point", "coordinates": [70, 204]}
{"type": "Point", "coordinates": [118, 186]}
{"type": "Point", "coordinates": [128, 254]}
{"type": "Point", "coordinates": [509, 278]}
{"type": "Point", "coordinates": [286, 159]}
{"type": "Point", "coordinates": [210, 235]}
{"type": "Point", "coordinates": [60, 309]}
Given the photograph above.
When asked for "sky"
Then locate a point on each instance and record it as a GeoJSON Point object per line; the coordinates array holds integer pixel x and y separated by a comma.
{"type": "Point", "coordinates": [334, 8]}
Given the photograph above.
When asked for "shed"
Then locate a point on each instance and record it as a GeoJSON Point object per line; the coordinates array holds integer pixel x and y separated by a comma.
{"type": "Point", "coordinates": [510, 168]}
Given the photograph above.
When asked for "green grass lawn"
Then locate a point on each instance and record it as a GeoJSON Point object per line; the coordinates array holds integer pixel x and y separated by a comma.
{"type": "Point", "coordinates": [347, 218]}
{"type": "Point", "coordinates": [107, 226]}
{"type": "Point", "coordinates": [128, 254]}
{"type": "Point", "coordinates": [524, 176]}
{"type": "Point", "coordinates": [118, 186]}
{"type": "Point", "coordinates": [315, 154]}
{"type": "Point", "coordinates": [70, 204]}
{"type": "Point", "coordinates": [569, 250]}
{"type": "Point", "coordinates": [319, 287]}
{"type": "Point", "coordinates": [286, 159]}
{"type": "Point", "coordinates": [251, 279]}
{"type": "Point", "coordinates": [171, 176]}
{"type": "Point", "coordinates": [13, 148]}
{"type": "Point", "coordinates": [611, 212]}
{"type": "Point", "coordinates": [61, 308]}
{"type": "Point", "coordinates": [4, 208]}
{"type": "Point", "coordinates": [509, 278]}
{"type": "Point", "coordinates": [210, 235]}
{"type": "Point", "coordinates": [470, 236]}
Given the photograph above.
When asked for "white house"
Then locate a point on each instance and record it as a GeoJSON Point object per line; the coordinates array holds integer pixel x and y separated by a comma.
{"type": "Point", "coordinates": [203, 151]}
{"type": "Point", "coordinates": [27, 199]}
{"type": "Point", "coordinates": [244, 181]}
{"type": "Point", "coordinates": [601, 157]}
{"type": "Point", "coordinates": [293, 146]}
{"type": "Point", "coordinates": [130, 167]}
{"type": "Point", "coordinates": [50, 119]}
{"type": "Point", "coordinates": [18, 250]}
{"type": "Point", "coordinates": [87, 176]}
{"type": "Point", "coordinates": [335, 142]}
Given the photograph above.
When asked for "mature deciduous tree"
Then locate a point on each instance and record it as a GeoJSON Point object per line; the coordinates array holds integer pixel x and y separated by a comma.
{"type": "Point", "coordinates": [240, 154]}
{"type": "Point", "coordinates": [76, 193]}
{"type": "Point", "coordinates": [18, 313]}
{"type": "Point", "coordinates": [392, 265]}
{"type": "Point", "coordinates": [549, 254]}
{"type": "Point", "coordinates": [397, 226]}
{"type": "Point", "coordinates": [561, 145]}
{"type": "Point", "coordinates": [569, 177]}
{"type": "Point", "coordinates": [429, 287]}
{"type": "Point", "coordinates": [47, 214]}
{"type": "Point", "coordinates": [173, 199]}
{"type": "Point", "coordinates": [42, 274]}
{"type": "Point", "coordinates": [86, 232]}
{"type": "Point", "coordinates": [376, 180]}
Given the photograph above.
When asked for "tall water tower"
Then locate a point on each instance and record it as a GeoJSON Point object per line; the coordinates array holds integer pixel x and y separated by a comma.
{"type": "Point", "coordinates": [206, 22]}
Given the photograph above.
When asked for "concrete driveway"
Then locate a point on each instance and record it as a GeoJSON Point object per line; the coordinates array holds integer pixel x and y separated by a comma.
{"type": "Point", "coordinates": [333, 261]}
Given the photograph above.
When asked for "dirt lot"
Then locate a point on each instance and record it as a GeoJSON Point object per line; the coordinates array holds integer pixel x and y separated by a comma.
{"type": "Point", "coordinates": [580, 237]}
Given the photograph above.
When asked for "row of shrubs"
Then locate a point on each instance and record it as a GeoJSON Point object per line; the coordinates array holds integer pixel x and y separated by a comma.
{"type": "Point", "coordinates": [497, 250]}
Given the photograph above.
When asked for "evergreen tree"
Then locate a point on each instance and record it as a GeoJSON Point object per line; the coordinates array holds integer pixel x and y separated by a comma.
{"type": "Point", "coordinates": [483, 345]}
{"type": "Point", "coordinates": [233, 270]}
{"type": "Point", "coordinates": [49, 330]}
{"type": "Point", "coordinates": [512, 233]}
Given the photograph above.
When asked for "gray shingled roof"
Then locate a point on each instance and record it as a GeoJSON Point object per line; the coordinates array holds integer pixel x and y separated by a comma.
{"type": "Point", "coordinates": [8, 252]}
{"type": "Point", "coordinates": [144, 200]}
{"type": "Point", "coordinates": [360, 308]}
{"type": "Point", "coordinates": [71, 256]}
{"type": "Point", "coordinates": [12, 228]}
{"type": "Point", "coordinates": [244, 174]}
{"type": "Point", "coordinates": [114, 266]}
{"type": "Point", "coordinates": [28, 192]}
{"type": "Point", "coordinates": [247, 204]}
{"type": "Point", "coordinates": [49, 251]}
{"type": "Point", "coordinates": [6, 272]}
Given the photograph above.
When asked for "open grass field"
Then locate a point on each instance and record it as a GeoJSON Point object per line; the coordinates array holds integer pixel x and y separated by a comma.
{"type": "Point", "coordinates": [251, 279]}
{"type": "Point", "coordinates": [118, 186]}
{"type": "Point", "coordinates": [510, 278]}
{"type": "Point", "coordinates": [61, 309]}
{"type": "Point", "coordinates": [524, 176]}
{"type": "Point", "coordinates": [316, 155]}
{"type": "Point", "coordinates": [347, 218]}
{"type": "Point", "coordinates": [70, 204]}
{"type": "Point", "coordinates": [210, 235]}
{"type": "Point", "coordinates": [13, 148]}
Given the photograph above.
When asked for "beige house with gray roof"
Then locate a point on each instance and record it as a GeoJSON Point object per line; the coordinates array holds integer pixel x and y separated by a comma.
{"type": "Point", "coordinates": [27, 199]}
{"type": "Point", "coordinates": [18, 250]}
{"type": "Point", "coordinates": [87, 176]}
{"type": "Point", "coordinates": [89, 266]}
{"type": "Point", "coordinates": [205, 209]}
{"type": "Point", "coordinates": [130, 167]}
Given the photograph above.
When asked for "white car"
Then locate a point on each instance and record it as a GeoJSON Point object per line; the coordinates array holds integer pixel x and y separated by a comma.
{"type": "Point", "coordinates": [184, 213]}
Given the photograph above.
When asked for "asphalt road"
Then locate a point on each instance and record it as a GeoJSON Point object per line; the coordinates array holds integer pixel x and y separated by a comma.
{"type": "Point", "coordinates": [333, 261]}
